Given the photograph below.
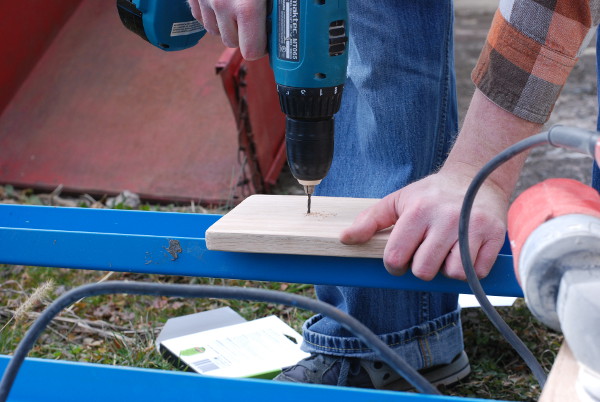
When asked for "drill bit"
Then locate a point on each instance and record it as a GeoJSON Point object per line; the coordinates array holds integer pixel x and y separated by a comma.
{"type": "Point", "coordinates": [309, 190]}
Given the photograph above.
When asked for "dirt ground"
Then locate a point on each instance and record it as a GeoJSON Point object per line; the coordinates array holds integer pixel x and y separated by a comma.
{"type": "Point", "coordinates": [577, 105]}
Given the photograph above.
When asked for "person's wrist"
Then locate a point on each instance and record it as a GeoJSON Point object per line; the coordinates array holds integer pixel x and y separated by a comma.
{"type": "Point", "coordinates": [488, 130]}
{"type": "Point", "coordinates": [465, 172]}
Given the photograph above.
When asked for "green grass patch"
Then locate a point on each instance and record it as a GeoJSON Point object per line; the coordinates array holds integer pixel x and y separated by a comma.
{"type": "Point", "coordinates": [121, 329]}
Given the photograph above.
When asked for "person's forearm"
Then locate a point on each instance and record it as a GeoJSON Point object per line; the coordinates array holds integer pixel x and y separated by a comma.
{"type": "Point", "coordinates": [486, 131]}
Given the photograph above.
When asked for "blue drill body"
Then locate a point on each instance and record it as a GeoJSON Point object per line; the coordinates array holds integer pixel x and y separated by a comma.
{"type": "Point", "coordinates": [308, 54]}
{"type": "Point", "coordinates": [301, 40]}
{"type": "Point", "coordinates": [167, 24]}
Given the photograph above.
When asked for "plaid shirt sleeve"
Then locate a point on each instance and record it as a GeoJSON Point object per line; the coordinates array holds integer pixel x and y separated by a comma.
{"type": "Point", "coordinates": [530, 50]}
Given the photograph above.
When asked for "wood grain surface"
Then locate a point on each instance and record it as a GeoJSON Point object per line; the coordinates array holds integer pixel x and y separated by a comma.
{"type": "Point", "coordinates": [279, 224]}
{"type": "Point", "coordinates": [560, 386]}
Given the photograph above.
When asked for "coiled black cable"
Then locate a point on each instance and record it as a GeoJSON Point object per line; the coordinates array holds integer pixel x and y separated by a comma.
{"type": "Point", "coordinates": [196, 291]}
{"type": "Point", "coordinates": [463, 239]}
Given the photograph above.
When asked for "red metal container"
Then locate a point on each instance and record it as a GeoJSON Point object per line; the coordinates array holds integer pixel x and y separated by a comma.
{"type": "Point", "coordinates": [87, 104]}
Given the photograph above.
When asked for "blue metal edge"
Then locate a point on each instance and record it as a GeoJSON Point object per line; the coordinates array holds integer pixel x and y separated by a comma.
{"type": "Point", "coordinates": [174, 244]}
{"type": "Point", "coordinates": [61, 381]}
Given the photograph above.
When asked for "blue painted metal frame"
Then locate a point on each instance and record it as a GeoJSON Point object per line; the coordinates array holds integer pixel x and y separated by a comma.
{"type": "Point", "coordinates": [137, 241]}
{"type": "Point", "coordinates": [173, 244]}
{"type": "Point", "coordinates": [56, 381]}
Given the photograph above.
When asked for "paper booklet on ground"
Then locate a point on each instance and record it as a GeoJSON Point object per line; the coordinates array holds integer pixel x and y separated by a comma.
{"type": "Point", "coordinates": [466, 301]}
{"type": "Point", "coordinates": [258, 348]}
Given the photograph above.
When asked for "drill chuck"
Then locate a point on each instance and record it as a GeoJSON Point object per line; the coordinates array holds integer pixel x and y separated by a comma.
{"type": "Point", "coordinates": [309, 145]}
{"type": "Point", "coordinates": [310, 103]}
{"type": "Point", "coordinates": [309, 130]}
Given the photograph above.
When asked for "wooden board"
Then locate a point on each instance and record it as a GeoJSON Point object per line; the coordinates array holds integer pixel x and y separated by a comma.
{"type": "Point", "coordinates": [560, 386]}
{"type": "Point", "coordinates": [279, 224]}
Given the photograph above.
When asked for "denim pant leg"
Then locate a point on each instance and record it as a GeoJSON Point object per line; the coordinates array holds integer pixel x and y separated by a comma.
{"type": "Point", "coordinates": [595, 170]}
{"type": "Point", "coordinates": [397, 123]}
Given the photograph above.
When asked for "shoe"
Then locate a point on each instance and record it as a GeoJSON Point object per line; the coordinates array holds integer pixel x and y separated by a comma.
{"type": "Point", "coordinates": [355, 372]}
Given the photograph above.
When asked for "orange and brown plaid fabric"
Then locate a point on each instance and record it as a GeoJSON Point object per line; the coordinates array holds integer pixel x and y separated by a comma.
{"type": "Point", "coordinates": [530, 50]}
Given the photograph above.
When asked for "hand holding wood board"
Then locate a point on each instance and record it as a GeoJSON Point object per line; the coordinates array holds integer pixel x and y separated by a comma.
{"type": "Point", "coordinates": [279, 224]}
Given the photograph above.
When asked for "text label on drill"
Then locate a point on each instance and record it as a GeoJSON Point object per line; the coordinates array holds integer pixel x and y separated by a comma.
{"type": "Point", "coordinates": [289, 30]}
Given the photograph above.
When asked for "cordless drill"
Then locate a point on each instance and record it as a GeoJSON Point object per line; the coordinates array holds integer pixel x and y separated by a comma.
{"type": "Point", "coordinates": [308, 54]}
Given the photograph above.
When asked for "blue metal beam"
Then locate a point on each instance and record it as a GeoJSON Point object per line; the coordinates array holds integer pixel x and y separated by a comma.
{"type": "Point", "coordinates": [60, 381]}
{"type": "Point", "coordinates": [174, 244]}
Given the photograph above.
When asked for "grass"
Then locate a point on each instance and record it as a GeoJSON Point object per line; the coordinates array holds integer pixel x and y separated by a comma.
{"type": "Point", "coordinates": [498, 371]}
{"type": "Point", "coordinates": [114, 329]}
{"type": "Point", "coordinates": [121, 330]}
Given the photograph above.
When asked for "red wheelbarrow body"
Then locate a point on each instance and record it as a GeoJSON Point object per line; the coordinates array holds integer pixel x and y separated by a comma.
{"type": "Point", "coordinates": [87, 104]}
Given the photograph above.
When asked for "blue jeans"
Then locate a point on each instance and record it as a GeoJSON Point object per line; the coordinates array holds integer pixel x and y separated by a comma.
{"type": "Point", "coordinates": [397, 123]}
{"type": "Point", "coordinates": [595, 169]}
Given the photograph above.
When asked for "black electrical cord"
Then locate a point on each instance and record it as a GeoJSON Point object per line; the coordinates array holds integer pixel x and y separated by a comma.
{"type": "Point", "coordinates": [196, 291]}
{"type": "Point", "coordinates": [463, 239]}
